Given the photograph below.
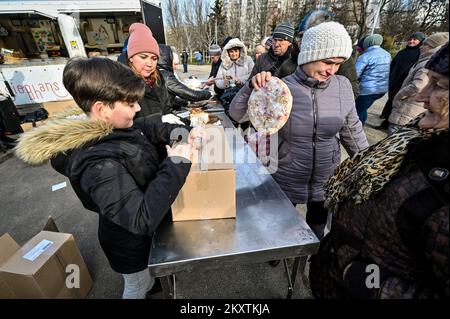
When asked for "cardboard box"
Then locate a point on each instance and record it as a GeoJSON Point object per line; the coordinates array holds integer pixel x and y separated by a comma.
{"type": "Point", "coordinates": [48, 266]}
{"type": "Point", "coordinates": [210, 193]}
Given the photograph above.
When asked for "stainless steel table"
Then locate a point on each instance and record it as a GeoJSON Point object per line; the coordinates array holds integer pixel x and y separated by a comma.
{"type": "Point", "coordinates": [267, 227]}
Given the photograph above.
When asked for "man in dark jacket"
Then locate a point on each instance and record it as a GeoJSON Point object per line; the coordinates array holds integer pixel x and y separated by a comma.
{"type": "Point", "coordinates": [400, 66]}
{"type": "Point", "coordinates": [174, 86]}
{"type": "Point", "coordinates": [184, 60]}
{"type": "Point", "coordinates": [214, 52]}
{"type": "Point", "coordinates": [281, 49]}
{"type": "Point", "coordinates": [112, 163]}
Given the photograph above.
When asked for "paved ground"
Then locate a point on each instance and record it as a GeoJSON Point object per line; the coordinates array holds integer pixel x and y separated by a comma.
{"type": "Point", "coordinates": [26, 199]}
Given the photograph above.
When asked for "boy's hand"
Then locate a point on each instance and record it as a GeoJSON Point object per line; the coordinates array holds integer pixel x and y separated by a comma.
{"type": "Point", "coordinates": [196, 135]}
{"type": "Point", "coordinates": [180, 150]}
{"type": "Point", "coordinates": [260, 79]}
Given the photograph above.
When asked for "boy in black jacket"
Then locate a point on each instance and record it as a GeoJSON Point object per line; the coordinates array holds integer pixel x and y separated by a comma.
{"type": "Point", "coordinates": [112, 162]}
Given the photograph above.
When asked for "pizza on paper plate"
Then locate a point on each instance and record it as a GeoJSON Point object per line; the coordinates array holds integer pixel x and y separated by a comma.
{"type": "Point", "coordinates": [269, 107]}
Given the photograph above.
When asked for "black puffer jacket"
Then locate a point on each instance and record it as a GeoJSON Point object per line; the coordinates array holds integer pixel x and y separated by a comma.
{"type": "Point", "coordinates": [174, 86]}
{"type": "Point", "coordinates": [117, 174]}
{"type": "Point", "coordinates": [120, 177]}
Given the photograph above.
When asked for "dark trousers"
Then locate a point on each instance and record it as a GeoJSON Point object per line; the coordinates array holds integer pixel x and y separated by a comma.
{"type": "Point", "coordinates": [184, 67]}
{"type": "Point", "coordinates": [388, 107]}
{"type": "Point", "coordinates": [316, 213]}
{"type": "Point", "coordinates": [363, 102]}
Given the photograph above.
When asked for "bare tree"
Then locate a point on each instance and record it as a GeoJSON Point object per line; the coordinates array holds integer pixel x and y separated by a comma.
{"type": "Point", "coordinates": [403, 17]}
{"type": "Point", "coordinates": [193, 23]}
{"type": "Point", "coordinates": [174, 20]}
{"type": "Point", "coordinates": [218, 21]}
{"type": "Point", "coordinates": [432, 12]}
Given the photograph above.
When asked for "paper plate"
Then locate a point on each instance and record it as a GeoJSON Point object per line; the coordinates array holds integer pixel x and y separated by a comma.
{"type": "Point", "coordinates": [269, 107]}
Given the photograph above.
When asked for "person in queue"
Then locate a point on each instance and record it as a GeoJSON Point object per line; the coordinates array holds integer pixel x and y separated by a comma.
{"type": "Point", "coordinates": [372, 68]}
{"type": "Point", "coordinates": [278, 52]}
{"type": "Point", "coordinates": [398, 71]}
{"type": "Point", "coordinates": [404, 106]}
{"type": "Point", "coordinates": [390, 207]}
{"type": "Point", "coordinates": [215, 53]}
{"type": "Point", "coordinates": [313, 18]}
{"type": "Point", "coordinates": [323, 116]}
{"type": "Point", "coordinates": [236, 65]}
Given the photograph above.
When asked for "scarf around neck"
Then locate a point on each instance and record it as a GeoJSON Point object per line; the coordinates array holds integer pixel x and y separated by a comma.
{"type": "Point", "coordinates": [365, 174]}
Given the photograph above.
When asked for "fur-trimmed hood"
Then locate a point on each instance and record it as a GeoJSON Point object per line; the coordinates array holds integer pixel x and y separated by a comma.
{"type": "Point", "coordinates": [234, 43]}
{"type": "Point", "coordinates": [65, 131]}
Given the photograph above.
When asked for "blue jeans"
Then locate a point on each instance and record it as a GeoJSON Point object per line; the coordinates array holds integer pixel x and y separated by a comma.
{"type": "Point", "coordinates": [363, 102]}
{"type": "Point", "coordinates": [136, 285]}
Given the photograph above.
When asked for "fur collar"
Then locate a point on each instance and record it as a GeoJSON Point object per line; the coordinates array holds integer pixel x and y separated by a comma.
{"type": "Point", "coordinates": [226, 61]}
{"type": "Point", "coordinates": [63, 132]}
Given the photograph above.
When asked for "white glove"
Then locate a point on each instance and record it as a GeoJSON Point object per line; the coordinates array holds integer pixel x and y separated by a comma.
{"type": "Point", "coordinates": [171, 119]}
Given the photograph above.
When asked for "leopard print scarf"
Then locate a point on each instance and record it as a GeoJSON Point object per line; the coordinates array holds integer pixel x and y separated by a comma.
{"type": "Point", "coordinates": [366, 173]}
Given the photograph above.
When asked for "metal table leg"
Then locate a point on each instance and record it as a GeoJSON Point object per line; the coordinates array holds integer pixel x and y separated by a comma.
{"type": "Point", "coordinates": [168, 285]}
{"type": "Point", "coordinates": [299, 263]}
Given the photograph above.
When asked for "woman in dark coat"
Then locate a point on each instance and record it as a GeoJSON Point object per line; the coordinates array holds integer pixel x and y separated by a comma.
{"type": "Point", "coordinates": [390, 235]}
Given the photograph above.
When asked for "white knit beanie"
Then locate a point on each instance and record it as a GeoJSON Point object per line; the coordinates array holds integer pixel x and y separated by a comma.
{"type": "Point", "coordinates": [324, 41]}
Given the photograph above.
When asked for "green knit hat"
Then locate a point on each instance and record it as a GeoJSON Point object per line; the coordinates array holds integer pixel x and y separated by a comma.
{"type": "Point", "coordinates": [371, 40]}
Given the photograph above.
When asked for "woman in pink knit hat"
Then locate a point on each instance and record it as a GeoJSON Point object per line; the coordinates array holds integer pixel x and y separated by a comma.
{"type": "Point", "coordinates": [142, 57]}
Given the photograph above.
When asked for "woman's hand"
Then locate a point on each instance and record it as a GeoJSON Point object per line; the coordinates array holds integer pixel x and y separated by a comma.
{"type": "Point", "coordinates": [209, 82]}
{"type": "Point", "coordinates": [260, 79]}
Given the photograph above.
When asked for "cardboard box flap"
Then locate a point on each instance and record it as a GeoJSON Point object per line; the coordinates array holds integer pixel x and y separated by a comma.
{"type": "Point", "coordinates": [35, 253]}
{"type": "Point", "coordinates": [8, 247]}
{"type": "Point", "coordinates": [216, 153]}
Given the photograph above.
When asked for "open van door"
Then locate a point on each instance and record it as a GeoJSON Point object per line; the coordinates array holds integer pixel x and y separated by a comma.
{"type": "Point", "coordinates": [152, 16]}
{"type": "Point", "coordinates": [71, 35]}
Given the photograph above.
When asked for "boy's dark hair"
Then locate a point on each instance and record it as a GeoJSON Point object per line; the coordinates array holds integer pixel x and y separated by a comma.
{"type": "Point", "coordinates": [101, 79]}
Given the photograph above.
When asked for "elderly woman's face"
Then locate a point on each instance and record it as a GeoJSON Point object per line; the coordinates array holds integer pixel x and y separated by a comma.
{"type": "Point", "coordinates": [435, 98]}
{"type": "Point", "coordinates": [324, 69]}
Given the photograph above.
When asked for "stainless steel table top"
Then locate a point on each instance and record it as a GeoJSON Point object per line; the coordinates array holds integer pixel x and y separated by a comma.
{"type": "Point", "coordinates": [266, 227]}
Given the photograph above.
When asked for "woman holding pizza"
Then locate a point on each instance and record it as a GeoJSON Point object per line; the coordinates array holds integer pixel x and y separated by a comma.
{"type": "Point", "coordinates": [323, 116]}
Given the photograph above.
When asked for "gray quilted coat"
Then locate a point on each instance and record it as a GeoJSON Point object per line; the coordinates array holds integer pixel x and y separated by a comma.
{"type": "Point", "coordinates": [323, 116]}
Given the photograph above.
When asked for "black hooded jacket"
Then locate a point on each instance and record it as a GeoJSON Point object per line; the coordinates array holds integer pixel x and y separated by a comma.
{"type": "Point", "coordinates": [174, 86]}
{"type": "Point", "coordinates": [120, 176]}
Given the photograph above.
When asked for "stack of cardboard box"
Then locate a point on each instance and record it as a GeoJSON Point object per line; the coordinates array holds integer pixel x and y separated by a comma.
{"type": "Point", "coordinates": [210, 188]}
{"type": "Point", "coordinates": [49, 265]}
